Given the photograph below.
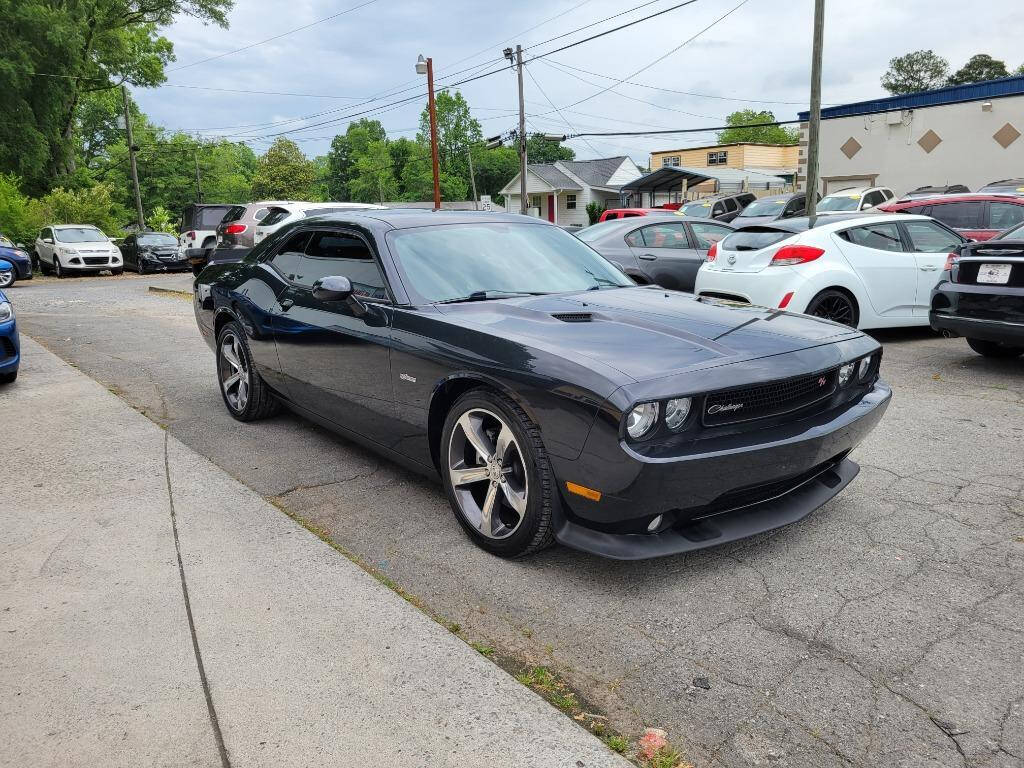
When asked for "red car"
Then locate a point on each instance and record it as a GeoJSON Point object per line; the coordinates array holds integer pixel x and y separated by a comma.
{"type": "Point", "coordinates": [976, 216]}
{"type": "Point", "coordinates": [624, 213]}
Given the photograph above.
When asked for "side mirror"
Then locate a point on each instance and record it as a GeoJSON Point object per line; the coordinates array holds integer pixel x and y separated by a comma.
{"type": "Point", "coordinates": [20, 245]}
{"type": "Point", "coordinates": [48, 240]}
{"type": "Point", "coordinates": [333, 288]}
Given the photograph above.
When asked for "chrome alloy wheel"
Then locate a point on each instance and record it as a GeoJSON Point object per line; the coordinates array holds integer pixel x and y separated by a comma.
{"type": "Point", "coordinates": [234, 374]}
{"type": "Point", "coordinates": [487, 472]}
{"type": "Point", "coordinates": [6, 277]}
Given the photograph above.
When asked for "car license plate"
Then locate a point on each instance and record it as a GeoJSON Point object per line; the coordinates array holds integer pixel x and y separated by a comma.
{"type": "Point", "coordinates": [994, 273]}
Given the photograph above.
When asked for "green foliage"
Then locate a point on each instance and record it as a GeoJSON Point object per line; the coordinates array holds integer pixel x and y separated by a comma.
{"type": "Point", "coordinates": [594, 211]}
{"type": "Point", "coordinates": [494, 168]}
{"type": "Point", "coordinates": [616, 743]}
{"type": "Point", "coordinates": [915, 71]}
{"type": "Point", "coordinates": [979, 68]}
{"type": "Point", "coordinates": [341, 158]}
{"type": "Point", "coordinates": [539, 150]}
{"type": "Point", "coordinates": [457, 131]}
{"type": "Point", "coordinates": [283, 173]}
{"type": "Point", "coordinates": [417, 182]}
{"type": "Point", "coordinates": [374, 179]}
{"type": "Point", "coordinates": [769, 134]}
{"type": "Point", "coordinates": [162, 220]}
{"type": "Point", "coordinates": [17, 218]}
{"type": "Point", "coordinates": [82, 206]}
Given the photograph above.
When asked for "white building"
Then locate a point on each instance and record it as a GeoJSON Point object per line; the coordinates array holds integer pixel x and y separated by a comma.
{"type": "Point", "coordinates": [560, 191]}
{"type": "Point", "coordinates": [963, 134]}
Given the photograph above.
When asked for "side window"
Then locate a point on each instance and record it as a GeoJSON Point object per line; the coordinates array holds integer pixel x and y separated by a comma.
{"type": "Point", "coordinates": [1004, 215]}
{"type": "Point", "coordinates": [793, 207]}
{"type": "Point", "coordinates": [286, 261]}
{"type": "Point", "coordinates": [929, 237]}
{"type": "Point", "coordinates": [45, 234]}
{"type": "Point", "coordinates": [718, 210]}
{"type": "Point", "coordinates": [872, 199]}
{"type": "Point", "coordinates": [706, 234]}
{"type": "Point", "coordinates": [339, 253]}
{"type": "Point", "coordinates": [635, 238]}
{"type": "Point", "coordinates": [880, 237]}
{"type": "Point", "coordinates": [261, 214]}
{"type": "Point", "coordinates": [730, 204]}
{"type": "Point", "coordinates": [966, 215]}
{"type": "Point", "coordinates": [665, 236]}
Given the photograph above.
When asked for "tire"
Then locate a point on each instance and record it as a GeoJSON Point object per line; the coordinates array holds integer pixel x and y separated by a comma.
{"type": "Point", "coordinates": [992, 349]}
{"type": "Point", "coordinates": [7, 277]}
{"type": "Point", "coordinates": [44, 268]}
{"type": "Point", "coordinates": [139, 268]}
{"type": "Point", "coordinates": [58, 270]}
{"type": "Point", "coordinates": [8, 378]}
{"type": "Point", "coordinates": [834, 305]}
{"type": "Point", "coordinates": [523, 473]}
{"type": "Point", "coordinates": [248, 398]}
{"type": "Point", "coordinates": [36, 262]}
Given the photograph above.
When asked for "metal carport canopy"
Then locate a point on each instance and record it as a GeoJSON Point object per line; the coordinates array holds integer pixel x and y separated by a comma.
{"type": "Point", "coordinates": [664, 178]}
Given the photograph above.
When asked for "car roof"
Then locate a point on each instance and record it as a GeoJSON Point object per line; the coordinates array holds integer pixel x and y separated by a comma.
{"type": "Point", "coordinates": [783, 196]}
{"type": "Point", "coordinates": [654, 218]}
{"type": "Point", "coordinates": [852, 191]}
{"type": "Point", "coordinates": [408, 218]}
{"type": "Point", "coordinates": [957, 197]}
{"type": "Point", "coordinates": [803, 223]}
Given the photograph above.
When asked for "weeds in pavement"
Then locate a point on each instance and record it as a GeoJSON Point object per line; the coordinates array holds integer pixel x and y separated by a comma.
{"type": "Point", "coordinates": [616, 743]}
{"type": "Point", "coordinates": [483, 650]}
{"type": "Point", "coordinates": [666, 757]}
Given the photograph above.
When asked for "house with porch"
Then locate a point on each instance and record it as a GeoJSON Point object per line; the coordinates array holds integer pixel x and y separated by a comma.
{"type": "Point", "coordinates": [560, 191]}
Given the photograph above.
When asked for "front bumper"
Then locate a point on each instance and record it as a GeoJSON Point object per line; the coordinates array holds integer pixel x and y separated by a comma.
{"type": "Point", "coordinates": [68, 265]}
{"type": "Point", "coordinates": [161, 265]}
{"type": "Point", "coordinates": [987, 312]}
{"type": "Point", "coordinates": [737, 488]}
{"type": "Point", "coordinates": [10, 347]}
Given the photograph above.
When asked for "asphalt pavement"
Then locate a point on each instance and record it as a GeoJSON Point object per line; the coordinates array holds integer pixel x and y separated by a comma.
{"type": "Point", "coordinates": [885, 630]}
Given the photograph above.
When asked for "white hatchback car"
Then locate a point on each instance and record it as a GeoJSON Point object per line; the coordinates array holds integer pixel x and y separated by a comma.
{"type": "Point", "coordinates": [854, 199]}
{"type": "Point", "coordinates": [68, 248]}
{"type": "Point", "coordinates": [874, 271]}
{"type": "Point", "coordinates": [285, 213]}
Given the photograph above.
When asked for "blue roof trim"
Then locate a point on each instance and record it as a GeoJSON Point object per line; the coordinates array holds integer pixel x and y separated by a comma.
{"type": "Point", "coordinates": [951, 94]}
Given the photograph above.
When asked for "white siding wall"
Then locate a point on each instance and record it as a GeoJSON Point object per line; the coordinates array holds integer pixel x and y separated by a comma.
{"type": "Point", "coordinates": [967, 154]}
{"type": "Point", "coordinates": [626, 173]}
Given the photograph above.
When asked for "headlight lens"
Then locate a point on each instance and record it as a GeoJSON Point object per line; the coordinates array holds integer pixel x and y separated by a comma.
{"type": "Point", "coordinates": [864, 367]}
{"type": "Point", "coordinates": [641, 420]}
{"type": "Point", "coordinates": [6, 311]}
{"type": "Point", "coordinates": [676, 411]}
{"type": "Point", "coordinates": [846, 373]}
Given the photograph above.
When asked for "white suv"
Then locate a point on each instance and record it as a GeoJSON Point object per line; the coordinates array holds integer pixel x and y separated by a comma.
{"type": "Point", "coordinates": [68, 248]}
{"type": "Point", "coordinates": [285, 213]}
{"type": "Point", "coordinates": [854, 199]}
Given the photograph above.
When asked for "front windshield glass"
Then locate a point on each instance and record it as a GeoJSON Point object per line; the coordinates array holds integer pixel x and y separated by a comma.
{"type": "Point", "coordinates": [765, 207]}
{"type": "Point", "coordinates": [839, 203]}
{"type": "Point", "coordinates": [157, 238]}
{"type": "Point", "coordinates": [701, 208]}
{"type": "Point", "coordinates": [456, 261]}
{"type": "Point", "coordinates": [5, 242]}
{"type": "Point", "coordinates": [79, 235]}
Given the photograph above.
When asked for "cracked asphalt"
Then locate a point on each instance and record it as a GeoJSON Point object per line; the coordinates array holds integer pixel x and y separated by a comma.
{"type": "Point", "coordinates": [885, 630]}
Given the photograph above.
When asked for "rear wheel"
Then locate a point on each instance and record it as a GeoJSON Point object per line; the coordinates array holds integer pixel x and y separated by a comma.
{"type": "Point", "coordinates": [7, 275]}
{"type": "Point", "coordinates": [496, 474]}
{"type": "Point", "coordinates": [835, 306]}
{"type": "Point", "coordinates": [44, 268]}
{"type": "Point", "coordinates": [992, 349]}
{"type": "Point", "coordinates": [245, 394]}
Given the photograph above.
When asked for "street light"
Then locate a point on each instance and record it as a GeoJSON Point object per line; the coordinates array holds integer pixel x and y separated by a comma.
{"type": "Point", "coordinates": [426, 67]}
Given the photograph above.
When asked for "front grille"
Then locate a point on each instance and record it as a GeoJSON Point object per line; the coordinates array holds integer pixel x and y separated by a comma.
{"type": "Point", "coordinates": [967, 274]}
{"type": "Point", "coordinates": [95, 261]}
{"type": "Point", "coordinates": [763, 400]}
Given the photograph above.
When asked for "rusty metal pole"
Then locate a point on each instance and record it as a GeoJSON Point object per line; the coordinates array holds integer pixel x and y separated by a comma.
{"type": "Point", "coordinates": [433, 134]}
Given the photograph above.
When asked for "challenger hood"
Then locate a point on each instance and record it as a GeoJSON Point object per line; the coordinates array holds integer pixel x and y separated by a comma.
{"type": "Point", "coordinates": [647, 333]}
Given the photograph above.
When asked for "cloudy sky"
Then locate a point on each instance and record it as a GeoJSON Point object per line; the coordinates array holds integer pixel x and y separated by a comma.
{"type": "Point", "coordinates": [755, 54]}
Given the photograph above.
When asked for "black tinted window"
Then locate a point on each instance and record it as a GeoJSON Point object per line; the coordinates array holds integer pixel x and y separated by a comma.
{"type": "Point", "coordinates": [880, 237]}
{"type": "Point", "coordinates": [274, 216]}
{"type": "Point", "coordinates": [965, 215]}
{"type": "Point", "coordinates": [730, 204]}
{"type": "Point", "coordinates": [234, 214]}
{"type": "Point", "coordinates": [754, 240]}
{"type": "Point", "coordinates": [209, 218]}
{"type": "Point", "coordinates": [337, 253]}
{"type": "Point", "coordinates": [261, 214]}
{"type": "Point", "coordinates": [286, 261]}
{"type": "Point", "coordinates": [929, 237]}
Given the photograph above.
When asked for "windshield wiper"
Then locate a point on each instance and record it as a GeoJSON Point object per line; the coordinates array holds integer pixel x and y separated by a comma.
{"type": "Point", "coordinates": [489, 295]}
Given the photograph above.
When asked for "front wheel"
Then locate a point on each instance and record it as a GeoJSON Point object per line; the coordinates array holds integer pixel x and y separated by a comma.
{"type": "Point", "coordinates": [245, 394]}
{"type": "Point", "coordinates": [8, 378]}
{"type": "Point", "coordinates": [7, 276]}
{"type": "Point", "coordinates": [496, 474]}
{"type": "Point", "coordinates": [835, 306]}
{"type": "Point", "coordinates": [58, 270]}
{"type": "Point", "coordinates": [992, 349]}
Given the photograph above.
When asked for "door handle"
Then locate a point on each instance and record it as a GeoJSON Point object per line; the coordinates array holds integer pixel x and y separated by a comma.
{"type": "Point", "coordinates": [929, 268]}
{"type": "Point", "coordinates": [286, 304]}
{"type": "Point", "coordinates": [648, 257]}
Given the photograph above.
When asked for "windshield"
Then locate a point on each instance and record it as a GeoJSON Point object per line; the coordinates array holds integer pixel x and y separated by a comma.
{"type": "Point", "coordinates": [1013, 233]}
{"type": "Point", "coordinates": [453, 262]}
{"type": "Point", "coordinates": [839, 203]}
{"type": "Point", "coordinates": [78, 235]}
{"type": "Point", "coordinates": [765, 207]}
{"type": "Point", "coordinates": [157, 238]}
{"type": "Point", "coordinates": [5, 242]}
{"type": "Point", "coordinates": [701, 208]}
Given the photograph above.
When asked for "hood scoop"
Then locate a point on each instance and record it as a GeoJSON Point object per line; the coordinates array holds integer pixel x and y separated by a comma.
{"type": "Point", "coordinates": [573, 317]}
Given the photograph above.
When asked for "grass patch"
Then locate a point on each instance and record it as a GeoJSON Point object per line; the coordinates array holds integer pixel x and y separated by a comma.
{"type": "Point", "coordinates": [483, 650]}
{"type": "Point", "coordinates": [616, 743]}
{"type": "Point", "coordinates": [666, 757]}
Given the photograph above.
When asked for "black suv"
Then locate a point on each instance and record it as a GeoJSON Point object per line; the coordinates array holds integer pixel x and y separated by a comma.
{"type": "Point", "coordinates": [718, 207]}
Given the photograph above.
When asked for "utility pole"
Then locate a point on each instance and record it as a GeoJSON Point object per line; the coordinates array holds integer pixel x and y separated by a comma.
{"type": "Point", "coordinates": [199, 184]}
{"type": "Point", "coordinates": [518, 62]}
{"type": "Point", "coordinates": [472, 179]}
{"type": "Point", "coordinates": [426, 67]}
{"type": "Point", "coordinates": [814, 127]}
{"type": "Point", "coordinates": [131, 158]}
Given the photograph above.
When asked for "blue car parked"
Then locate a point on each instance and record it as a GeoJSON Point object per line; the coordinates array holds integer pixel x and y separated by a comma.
{"type": "Point", "coordinates": [15, 264]}
{"type": "Point", "coordinates": [10, 346]}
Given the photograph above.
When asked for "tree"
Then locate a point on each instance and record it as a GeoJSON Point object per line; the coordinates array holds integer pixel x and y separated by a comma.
{"type": "Point", "coordinates": [344, 149]}
{"type": "Point", "coordinates": [283, 173]}
{"type": "Point", "coordinates": [457, 131]}
{"type": "Point", "coordinates": [979, 68]}
{"type": "Point", "coordinates": [417, 180]}
{"type": "Point", "coordinates": [374, 178]}
{"type": "Point", "coordinates": [768, 134]}
{"type": "Point", "coordinates": [494, 168]}
{"type": "Point", "coordinates": [540, 150]}
{"type": "Point", "coordinates": [915, 71]}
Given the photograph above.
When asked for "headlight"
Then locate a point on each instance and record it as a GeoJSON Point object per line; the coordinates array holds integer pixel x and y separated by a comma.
{"type": "Point", "coordinates": [864, 367]}
{"type": "Point", "coordinates": [66, 251]}
{"type": "Point", "coordinates": [641, 420]}
{"type": "Point", "coordinates": [6, 311]}
{"type": "Point", "coordinates": [676, 412]}
{"type": "Point", "coordinates": [846, 373]}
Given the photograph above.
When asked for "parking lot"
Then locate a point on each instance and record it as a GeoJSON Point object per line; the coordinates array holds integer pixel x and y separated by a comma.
{"type": "Point", "coordinates": [886, 630]}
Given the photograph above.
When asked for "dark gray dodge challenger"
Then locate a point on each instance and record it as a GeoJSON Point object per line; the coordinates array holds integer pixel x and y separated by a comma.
{"type": "Point", "coordinates": [557, 400]}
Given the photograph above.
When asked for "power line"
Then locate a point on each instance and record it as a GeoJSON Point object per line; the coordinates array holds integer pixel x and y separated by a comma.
{"type": "Point", "coordinates": [687, 130]}
{"type": "Point", "coordinates": [544, 94]}
{"type": "Point", "coordinates": [275, 37]}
